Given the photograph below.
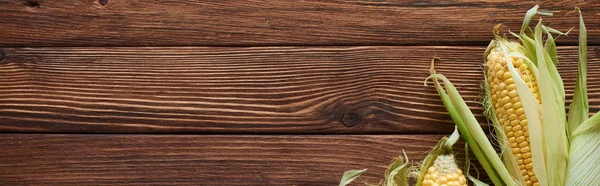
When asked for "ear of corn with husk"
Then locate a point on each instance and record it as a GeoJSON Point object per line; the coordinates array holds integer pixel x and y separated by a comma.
{"type": "Point", "coordinates": [525, 102]}
{"type": "Point", "coordinates": [438, 168]}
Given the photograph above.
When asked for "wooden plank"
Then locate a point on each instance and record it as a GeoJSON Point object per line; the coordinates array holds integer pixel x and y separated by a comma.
{"type": "Point", "coordinates": [38, 159]}
{"type": "Point", "coordinates": [258, 22]}
{"type": "Point", "coordinates": [243, 90]}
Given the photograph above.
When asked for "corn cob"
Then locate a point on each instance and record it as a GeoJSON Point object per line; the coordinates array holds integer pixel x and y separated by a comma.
{"type": "Point", "coordinates": [437, 169]}
{"type": "Point", "coordinates": [525, 101]}
{"type": "Point", "coordinates": [507, 105]}
{"type": "Point", "coordinates": [444, 172]}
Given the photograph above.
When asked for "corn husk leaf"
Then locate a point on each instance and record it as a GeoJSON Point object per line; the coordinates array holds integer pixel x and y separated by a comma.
{"type": "Point", "coordinates": [397, 172]}
{"type": "Point", "coordinates": [451, 140]}
{"type": "Point", "coordinates": [526, 35]}
{"type": "Point", "coordinates": [545, 12]}
{"type": "Point", "coordinates": [471, 131]}
{"type": "Point", "coordinates": [473, 179]}
{"type": "Point", "coordinates": [476, 182]}
{"type": "Point", "coordinates": [553, 114]}
{"type": "Point", "coordinates": [528, 17]}
{"type": "Point", "coordinates": [585, 145]}
{"type": "Point", "coordinates": [550, 47]}
{"type": "Point", "coordinates": [529, 45]}
{"type": "Point", "coordinates": [484, 161]}
{"type": "Point", "coordinates": [579, 108]}
{"type": "Point", "coordinates": [350, 175]}
{"type": "Point", "coordinates": [551, 30]}
{"type": "Point", "coordinates": [584, 158]}
{"type": "Point", "coordinates": [532, 110]}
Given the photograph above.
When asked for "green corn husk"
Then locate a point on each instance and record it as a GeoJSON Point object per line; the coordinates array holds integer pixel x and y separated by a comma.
{"type": "Point", "coordinates": [397, 173]}
{"type": "Point", "coordinates": [584, 132]}
{"type": "Point", "coordinates": [471, 131]}
{"type": "Point", "coordinates": [350, 175]}
{"type": "Point", "coordinates": [579, 108]}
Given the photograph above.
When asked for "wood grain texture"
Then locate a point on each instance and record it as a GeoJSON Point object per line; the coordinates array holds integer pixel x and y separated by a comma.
{"type": "Point", "coordinates": [249, 90]}
{"type": "Point", "coordinates": [243, 90]}
{"type": "Point", "coordinates": [258, 22]}
{"type": "Point", "coordinates": [38, 159]}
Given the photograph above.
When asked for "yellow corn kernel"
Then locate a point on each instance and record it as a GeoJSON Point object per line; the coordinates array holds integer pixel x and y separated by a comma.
{"type": "Point", "coordinates": [444, 172]}
{"type": "Point", "coordinates": [506, 100]}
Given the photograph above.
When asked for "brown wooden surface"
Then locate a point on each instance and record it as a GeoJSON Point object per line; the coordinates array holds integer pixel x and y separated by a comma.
{"type": "Point", "coordinates": [242, 90]}
{"type": "Point", "coordinates": [257, 22]}
{"type": "Point", "coordinates": [38, 159]}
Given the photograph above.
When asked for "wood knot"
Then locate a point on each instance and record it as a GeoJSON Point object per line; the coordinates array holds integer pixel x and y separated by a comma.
{"type": "Point", "coordinates": [597, 51]}
{"type": "Point", "coordinates": [103, 2]}
{"type": "Point", "coordinates": [349, 119]}
{"type": "Point", "coordinates": [32, 3]}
